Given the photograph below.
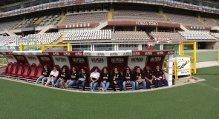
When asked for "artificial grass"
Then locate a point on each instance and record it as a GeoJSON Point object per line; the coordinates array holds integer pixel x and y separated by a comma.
{"type": "Point", "coordinates": [195, 101]}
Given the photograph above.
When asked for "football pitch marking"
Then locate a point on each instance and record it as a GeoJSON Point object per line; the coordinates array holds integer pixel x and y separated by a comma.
{"type": "Point", "coordinates": [101, 92]}
{"type": "Point", "coordinates": [209, 86]}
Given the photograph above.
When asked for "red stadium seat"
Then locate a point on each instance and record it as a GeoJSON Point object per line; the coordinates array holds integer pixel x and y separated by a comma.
{"type": "Point", "coordinates": [26, 71]}
{"type": "Point", "coordinates": [33, 71]}
{"type": "Point", "coordinates": [19, 70]}
{"type": "Point", "coordinates": [14, 70]}
{"type": "Point", "coordinates": [10, 69]}
{"type": "Point", "coordinates": [38, 73]}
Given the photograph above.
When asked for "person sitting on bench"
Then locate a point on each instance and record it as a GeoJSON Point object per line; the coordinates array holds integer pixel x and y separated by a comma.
{"type": "Point", "coordinates": [82, 79]}
{"type": "Point", "coordinates": [128, 79]}
{"type": "Point", "coordinates": [139, 79]}
{"type": "Point", "coordinates": [94, 77]}
{"type": "Point", "coordinates": [53, 77]}
{"type": "Point", "coordinates": [158, 76]}
{"type": "Point", "coordinates": [73, 78]}
{"type": "Point", "coordinates": [63, 78]}
{"type": "Point", "coordinates": [44, 76]}
{"type": "Point", "coordinates": [105, 79]}
{"type": "Point", "coordinates": [117, 79]}
{"type": "Point", "coordinates": [148, 77]}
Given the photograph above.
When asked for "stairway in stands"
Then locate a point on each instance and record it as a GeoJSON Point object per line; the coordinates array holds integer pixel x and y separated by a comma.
{"type": "Point", "coordinates": [60, 39]}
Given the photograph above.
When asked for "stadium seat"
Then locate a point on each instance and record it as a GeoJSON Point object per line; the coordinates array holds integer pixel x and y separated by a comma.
{"type": "Point", "coordinates": [165, 37]}
{"type": "Point", "coordinates": [14, 70]}
{"type": "Point", "coordinates": [26, 71]}
{"type": "Point", "coordinates": [216, 35]}
{"type": "Point", "coordinates": [45, 38]}
{"type": "Point", "coordinates": [33, 71]}
{"type": "Point", "coordinates": [88, 35]}
{"type": "Point", "coordinates": [130, 36]}
{"type": "Point", "coordinates": [19, 71]}
{"type": "Point", "coordinates": [138, 15]}
{"type": "Point", "coordinates": [184, 19]}
{"type": "Point", "coordinates": [38, 73]}
{"type": "Point", "coordinates": [9, 40]}
{"type": "Point", "coordinates": [84, 17]}
{"type": "Point", "coordinates": [197, 35]}
{"type": "Point", "coordinates": [11, 69]}
{"type": "Point", "coordinates": [8, 25]}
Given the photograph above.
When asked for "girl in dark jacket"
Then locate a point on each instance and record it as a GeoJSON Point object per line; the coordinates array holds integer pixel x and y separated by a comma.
{"type": "Point", "coordinates": [73, 78]}
{"type": "Point", "coordinates": [105, 79]}
{"type": "Point", "coordinates": [63, 78]}
{"type": "Point", "coordinates": [128, 79]}
{"type": "Point", "coordinates": [117, 79]}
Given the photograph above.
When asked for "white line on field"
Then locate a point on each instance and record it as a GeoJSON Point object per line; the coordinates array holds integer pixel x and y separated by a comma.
{"type": "Point", "coordinates": [207, 85]}
{"type": "Point", "coordinates": [100, 92]}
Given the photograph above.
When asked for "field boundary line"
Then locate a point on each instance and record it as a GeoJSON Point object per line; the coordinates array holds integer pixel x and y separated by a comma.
{"type": "Point", "coordinates": [108, 92]}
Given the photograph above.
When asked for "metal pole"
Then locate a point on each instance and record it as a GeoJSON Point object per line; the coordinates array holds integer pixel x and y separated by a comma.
{"type": "Point", "coordinates": [170, 70]}
{"type": "Point", "coordinates": [194, 57]}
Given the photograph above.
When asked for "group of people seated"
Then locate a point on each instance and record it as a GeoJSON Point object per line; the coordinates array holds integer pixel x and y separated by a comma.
{"type": "Point", "coordinates": [103, 80]}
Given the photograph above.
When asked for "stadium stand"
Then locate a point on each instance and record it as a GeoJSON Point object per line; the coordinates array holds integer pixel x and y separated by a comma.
{"type": "Point", "coordinates": [39, 21]}
{"type": "Point", "coordinates": [93, 19]}
{"type": "Point", "coordinates": [97, 35]}
{"type": "Point", "coordinates": [209, 22]}
{"type": "Point", "coordinates": [26, 23]}
{"type": "Point", "coordinates": [50, 20]}
{"type": "Point", "coordinates": [9, 40]}
{"type": "Point", "coordinates": [166, 37]}
{"type": "Point", "coordinates": [90, 35]}
{"type": "Point", "coordinates": [138, 15]}
{"type": "Point", "coordinates": [8, 25]}
{"type": "Point", "coordinates": [130, 36]}
{"type": "Point", "coordinates": [84, 17]}
{"type": "Point", "coordinates": [216, 35]}
{"type": "Point", "coordinates": [65, 3]}
{"type": "Point", "coordinates": [183, 19]}
{"type": "Point", "coordinates": [45, 38]}
{"type": "Point", "coordinates": [197, 35]}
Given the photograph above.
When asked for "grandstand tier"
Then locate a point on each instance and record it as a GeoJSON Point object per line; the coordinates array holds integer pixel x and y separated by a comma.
{"type": "Point", "coordinates": [57, 4]}
{"type": "Point", "coordinates": [36, 39]}
{"type": "Point", "coordinates": [166, 37]}
{"type": "Point", "coordinates": [107, 25]}
{"type": "Point", "coordinates": [197, 35]}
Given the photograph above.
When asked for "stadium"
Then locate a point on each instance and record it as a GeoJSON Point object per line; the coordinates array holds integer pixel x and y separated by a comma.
{"type": "Point", "coordinates": [109, 59]}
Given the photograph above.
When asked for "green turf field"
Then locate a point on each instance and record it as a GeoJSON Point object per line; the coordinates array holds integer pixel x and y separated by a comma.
{"type": "Point", "coordinates": [195, 101]}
